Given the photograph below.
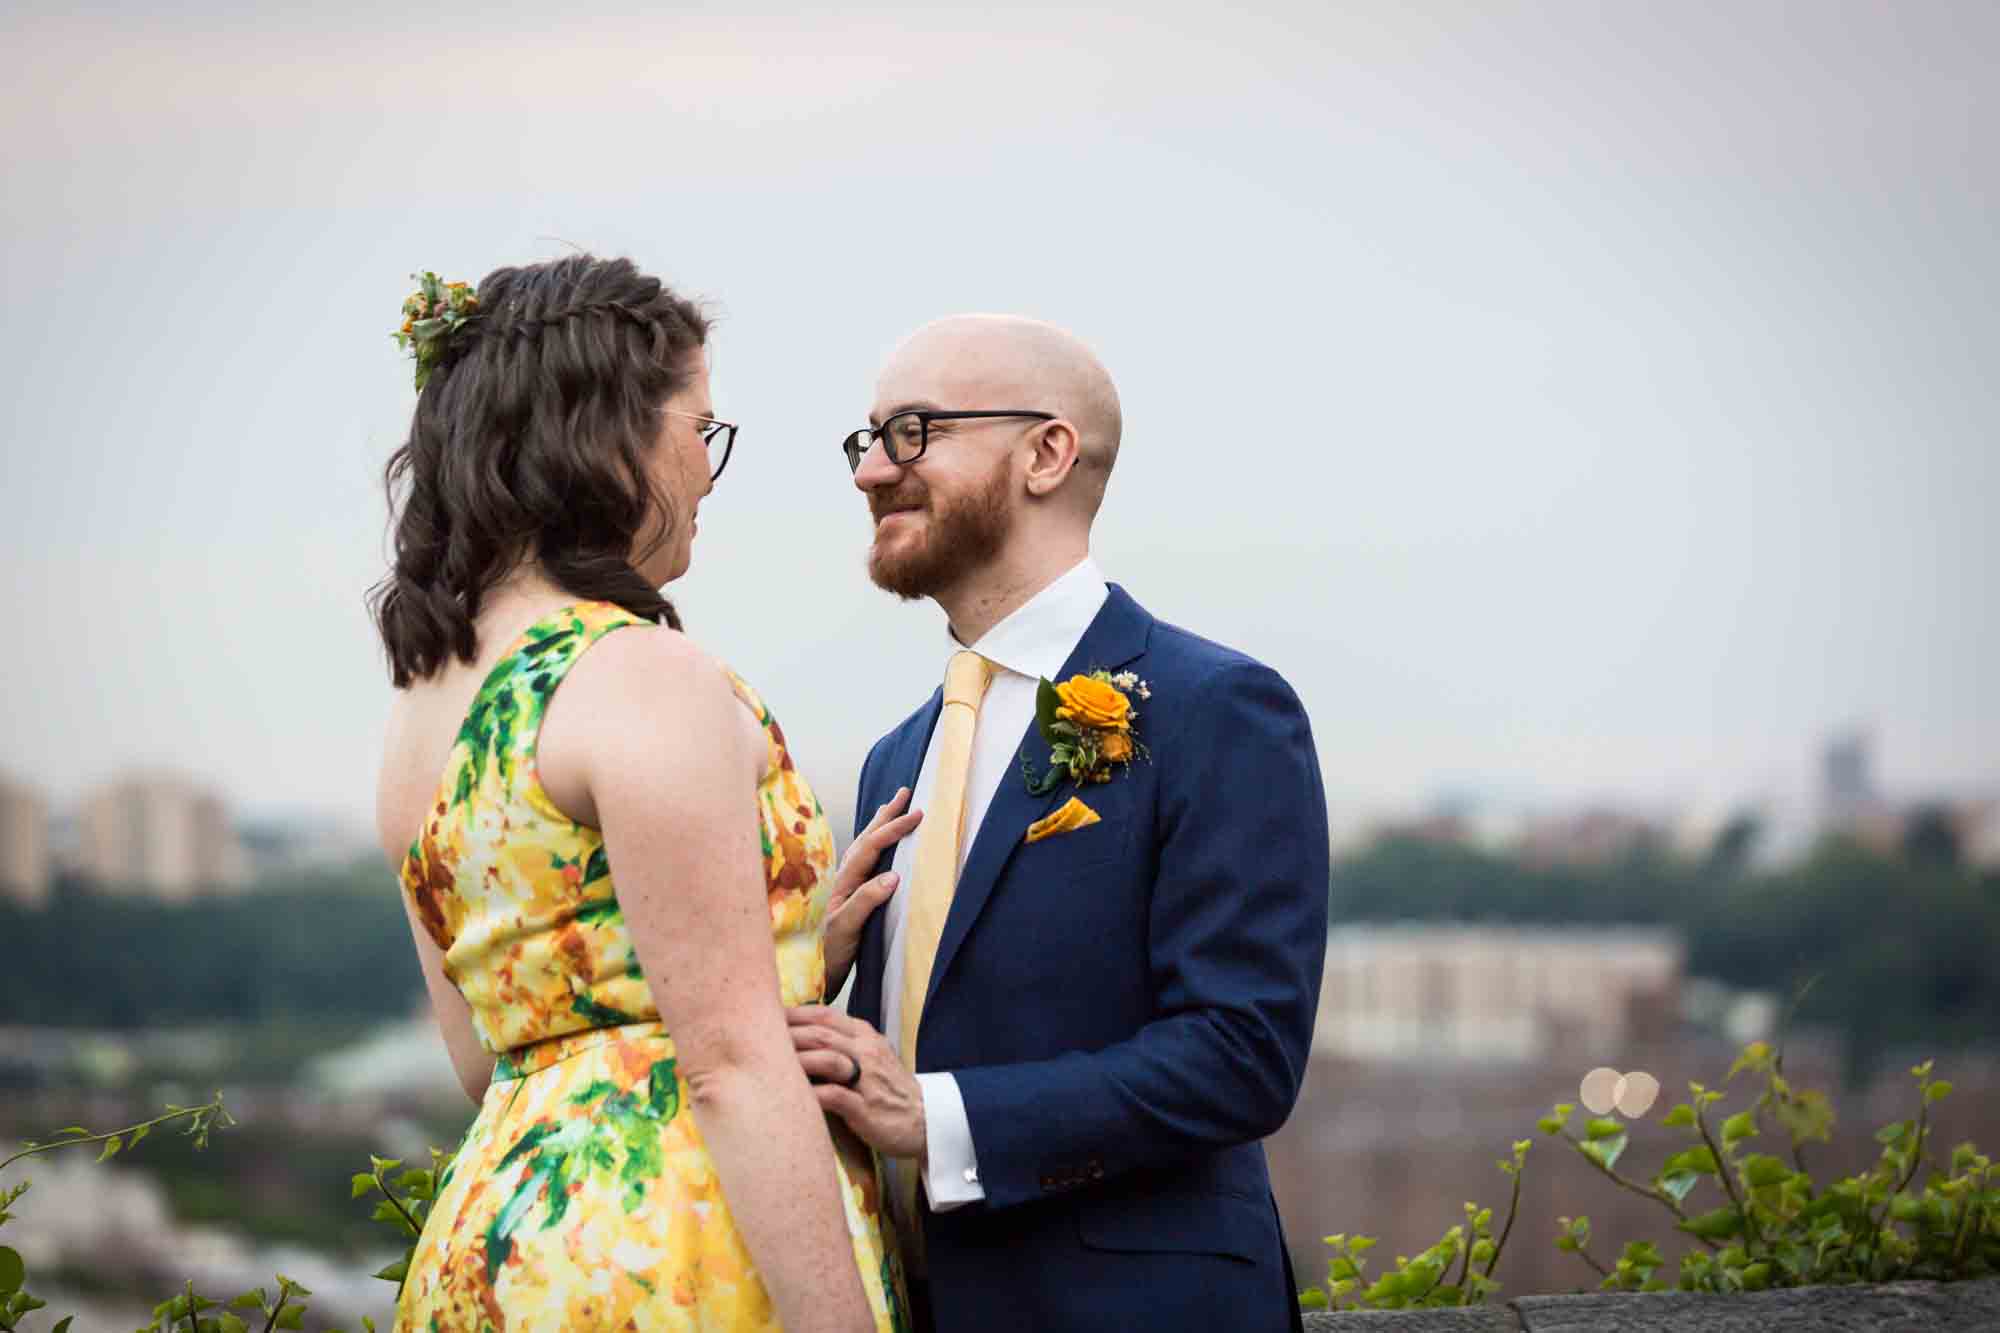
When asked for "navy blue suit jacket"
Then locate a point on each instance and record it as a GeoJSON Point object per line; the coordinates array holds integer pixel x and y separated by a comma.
{"type": "Point", "coordinates": [1128, 1007]}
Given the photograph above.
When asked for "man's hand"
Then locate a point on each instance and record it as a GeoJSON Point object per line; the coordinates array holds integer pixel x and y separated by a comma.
{"type": "Point", "coordinates": [854, 898]}
{"type": "Point", "coordinates": [858, 1078]}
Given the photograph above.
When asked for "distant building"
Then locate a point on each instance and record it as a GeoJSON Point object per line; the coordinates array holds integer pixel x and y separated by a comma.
{"type": "Point", "coordinates": [1495, 994]}
{"type": "Point", "coordinates": [160, 836]}
{"type": "Point", "coordinates": [1979, 834]}
{"type": "Point", "coordinates": [1847, 780]}
{"type": "Point", "coordinates": [24, 844]}
{"type": "Point", "coordinates": [1586, 838]}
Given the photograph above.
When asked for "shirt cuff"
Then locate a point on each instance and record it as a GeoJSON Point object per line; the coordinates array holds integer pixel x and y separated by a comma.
{"type": "Point", "coordinates": [951, 1171]}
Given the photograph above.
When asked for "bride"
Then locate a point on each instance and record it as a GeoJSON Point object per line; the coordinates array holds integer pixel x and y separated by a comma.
{"type": "Point", "coordinates": [615, 876]}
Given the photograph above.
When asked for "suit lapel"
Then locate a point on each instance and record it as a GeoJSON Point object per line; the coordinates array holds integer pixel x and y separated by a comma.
{"type": "Point", "coordinates": [900, 769]}
{"type": "Point", "coordinates": [1115, 637]}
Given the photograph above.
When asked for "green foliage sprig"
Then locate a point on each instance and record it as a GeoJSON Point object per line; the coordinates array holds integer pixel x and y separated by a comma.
{"type": "Point", "coordinates": [16, 1300]}
{"type": "Point", "coordinates": [1771, 1226]}
{"type": "Point", "coordinates": [189, 1309]}
{"type": "Point", "coordinates": [1421, 1282]}
{"type": "Point", "coordinates": [431, 314]}
{"type": "Point", "coordinates": [405, 1211]}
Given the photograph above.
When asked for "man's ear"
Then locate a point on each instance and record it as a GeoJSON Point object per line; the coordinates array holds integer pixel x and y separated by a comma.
{"type": "Point", "coordinates": [1055, 453]}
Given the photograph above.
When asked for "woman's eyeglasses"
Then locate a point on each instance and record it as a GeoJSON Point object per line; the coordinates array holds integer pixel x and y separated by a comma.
{"type": "Point", "coordinates": [718, 438]}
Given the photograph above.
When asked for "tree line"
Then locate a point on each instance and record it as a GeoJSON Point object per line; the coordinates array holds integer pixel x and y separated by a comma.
{"type": "Point", "coordinates": [1904, 950]}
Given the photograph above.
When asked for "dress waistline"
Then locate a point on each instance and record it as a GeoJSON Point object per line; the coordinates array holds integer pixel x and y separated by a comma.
{"type": "Point", "coordinates": [537, 1056]}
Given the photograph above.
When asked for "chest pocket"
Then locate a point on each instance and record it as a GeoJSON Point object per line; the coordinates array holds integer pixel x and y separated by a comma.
{"type": "Point", "coordinates": [1109, 841]}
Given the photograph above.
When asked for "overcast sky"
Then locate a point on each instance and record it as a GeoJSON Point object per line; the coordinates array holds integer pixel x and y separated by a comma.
{"type": "Point", "coordinates": [1572, 400]}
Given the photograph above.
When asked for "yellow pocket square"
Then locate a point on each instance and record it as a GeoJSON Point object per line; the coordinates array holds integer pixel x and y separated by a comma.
{"type": "Point", "coordinates": [1073, 815]}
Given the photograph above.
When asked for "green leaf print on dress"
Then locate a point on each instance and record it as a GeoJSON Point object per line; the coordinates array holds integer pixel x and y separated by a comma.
{"type": "Point", "coordinates": [618, 1138]}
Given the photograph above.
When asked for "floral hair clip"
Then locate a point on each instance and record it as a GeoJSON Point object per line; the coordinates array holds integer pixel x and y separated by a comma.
{"type": "Point", "coordinates": [435, 311]}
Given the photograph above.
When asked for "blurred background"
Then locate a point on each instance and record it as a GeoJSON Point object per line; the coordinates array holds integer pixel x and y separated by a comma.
{"type": "Point", "coordinates": [1589, 408]}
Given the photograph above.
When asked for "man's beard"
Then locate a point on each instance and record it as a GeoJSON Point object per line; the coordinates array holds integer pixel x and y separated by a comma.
{"type": "Point", "coordinates": [958, 538]}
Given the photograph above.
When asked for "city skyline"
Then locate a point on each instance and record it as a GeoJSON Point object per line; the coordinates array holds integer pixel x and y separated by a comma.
{"type": "Point", "coordinates": [1583, 403]}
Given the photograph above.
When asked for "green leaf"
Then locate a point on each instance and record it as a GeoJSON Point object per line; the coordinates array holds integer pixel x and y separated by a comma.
{"type": "Point", "coordinates": [292, 1316]}
{"type": "Point", "coordinates": [13, 1272]}
{"type": "Point", "coordinates": [1717, 1225]}
{"type": "Point", "coordinates": [1808, 1116]}
{"type": "Point", "coordinates": [1698, 1159]}
{"type": "Point", "coordinates": [1046, 703]}
{"type": "Point", "coordinates": [1937, 1091]}
{"type": "Point", "coordinates": [1603, 1128]}
{"type": "Point", "coordinates": [1760, 1170]}
{"type": "Point", "coordinates": [1677, 1184]}
{"type": "Point", "coordinates": [251, 1300]}
{"type": "Point", "coordinates": [362, 1184]}
{"type": "Point", "coordinates": [395, 1272]}
{"type": "Point", "coordinates": [1681, 1115]}
{"type": "Point", "coordinates": [62, 1325]}
{"type": "Point", "coordinates": [229, 1323]}
{"type": "Point", "coordinates": [1891, 1133]}
{"type": "Point", "coordinates": [1742, 1125]}
{"type": "Point", "coordinates": [111, 1147]}
{"type": "Point", "coordinates": [1757, 1055]}
{"type": "Point", "coordinates": [1605, 1152]}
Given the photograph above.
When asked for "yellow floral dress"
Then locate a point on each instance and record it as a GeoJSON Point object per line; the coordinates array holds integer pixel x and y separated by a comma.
{"type": "Point", "coordinates": [582, 1197]}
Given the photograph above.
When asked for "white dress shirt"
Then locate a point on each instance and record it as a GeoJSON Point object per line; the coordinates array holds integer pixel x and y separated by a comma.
{"type": "Point", "coordinates": [1027, 646]}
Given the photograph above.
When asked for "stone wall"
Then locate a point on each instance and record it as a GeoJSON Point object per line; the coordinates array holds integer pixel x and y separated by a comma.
{"type": "Point", "coordinates": [1890, 1308]}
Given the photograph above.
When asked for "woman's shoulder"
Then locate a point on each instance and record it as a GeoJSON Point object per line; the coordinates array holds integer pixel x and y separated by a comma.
{"type": "Point", "coordinates": [645, 673]}
{"type": "Point", "coordinates": [636, 709]}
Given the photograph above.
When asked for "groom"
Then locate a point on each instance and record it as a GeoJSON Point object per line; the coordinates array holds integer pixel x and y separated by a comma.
{"type": "Point", "coordinates": [1091, 989]}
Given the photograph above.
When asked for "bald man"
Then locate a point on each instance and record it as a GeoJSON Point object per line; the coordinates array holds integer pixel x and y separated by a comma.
{"type": "Point", "coordinates": [1108, 967]}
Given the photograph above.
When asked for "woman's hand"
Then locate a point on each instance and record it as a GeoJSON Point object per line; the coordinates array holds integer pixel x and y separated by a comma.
{"type": "Point", "coordinates": [855, 898]}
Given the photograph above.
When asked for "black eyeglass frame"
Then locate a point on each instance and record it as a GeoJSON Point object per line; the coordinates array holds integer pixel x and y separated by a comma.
{"type": "Point", "coordinates": [714, 426]}
{"type": "Point", "coordinates": [856, 444]}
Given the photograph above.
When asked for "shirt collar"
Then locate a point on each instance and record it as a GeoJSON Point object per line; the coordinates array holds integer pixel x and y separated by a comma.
{"type": "Point", "coordinates": [1040, 635]}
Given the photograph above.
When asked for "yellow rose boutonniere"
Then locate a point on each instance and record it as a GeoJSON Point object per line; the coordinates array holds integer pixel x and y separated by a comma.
{"type": "Point", "coordinates": [1087, 721]}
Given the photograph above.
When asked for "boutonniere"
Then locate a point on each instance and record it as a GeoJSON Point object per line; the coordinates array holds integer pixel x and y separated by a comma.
{"type": "Point", "coordinates": [1087, 721]}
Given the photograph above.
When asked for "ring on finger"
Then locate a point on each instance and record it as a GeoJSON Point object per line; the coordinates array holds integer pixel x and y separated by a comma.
{"type": "Point", "coordinates": [854, 1078]}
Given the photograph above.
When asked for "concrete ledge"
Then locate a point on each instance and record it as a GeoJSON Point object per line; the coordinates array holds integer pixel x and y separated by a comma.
{"type": "Point", "coordinates": [1934, 1307]}
{"type": "Point", "coordinates": [1479, 1319]}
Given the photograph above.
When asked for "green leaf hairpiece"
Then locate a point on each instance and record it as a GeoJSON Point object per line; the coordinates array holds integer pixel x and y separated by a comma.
{"type": "Point", "coordinates": [431, 314]}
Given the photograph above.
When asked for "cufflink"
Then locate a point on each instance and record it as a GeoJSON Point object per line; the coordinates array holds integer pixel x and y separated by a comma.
{"type": "Point", "coordinates": [972, 1175]}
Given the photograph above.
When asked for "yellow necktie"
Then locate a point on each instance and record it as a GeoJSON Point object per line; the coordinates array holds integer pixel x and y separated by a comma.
{"type": "Point", "coordinates": [934, 875]}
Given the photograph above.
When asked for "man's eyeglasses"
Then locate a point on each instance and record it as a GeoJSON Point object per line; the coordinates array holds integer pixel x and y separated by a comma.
{"type": "Point", "coordinates": [717, 437]}
{"type": "Point", "coordinates": [905, 436]}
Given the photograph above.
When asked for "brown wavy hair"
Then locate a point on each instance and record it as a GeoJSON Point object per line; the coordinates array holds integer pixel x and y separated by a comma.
{"type": "Point", "coordinates": [528, 443]}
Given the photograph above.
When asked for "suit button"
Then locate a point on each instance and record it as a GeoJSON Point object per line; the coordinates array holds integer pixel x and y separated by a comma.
{"type": "Point", "coordinates": [1097, 1170]}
